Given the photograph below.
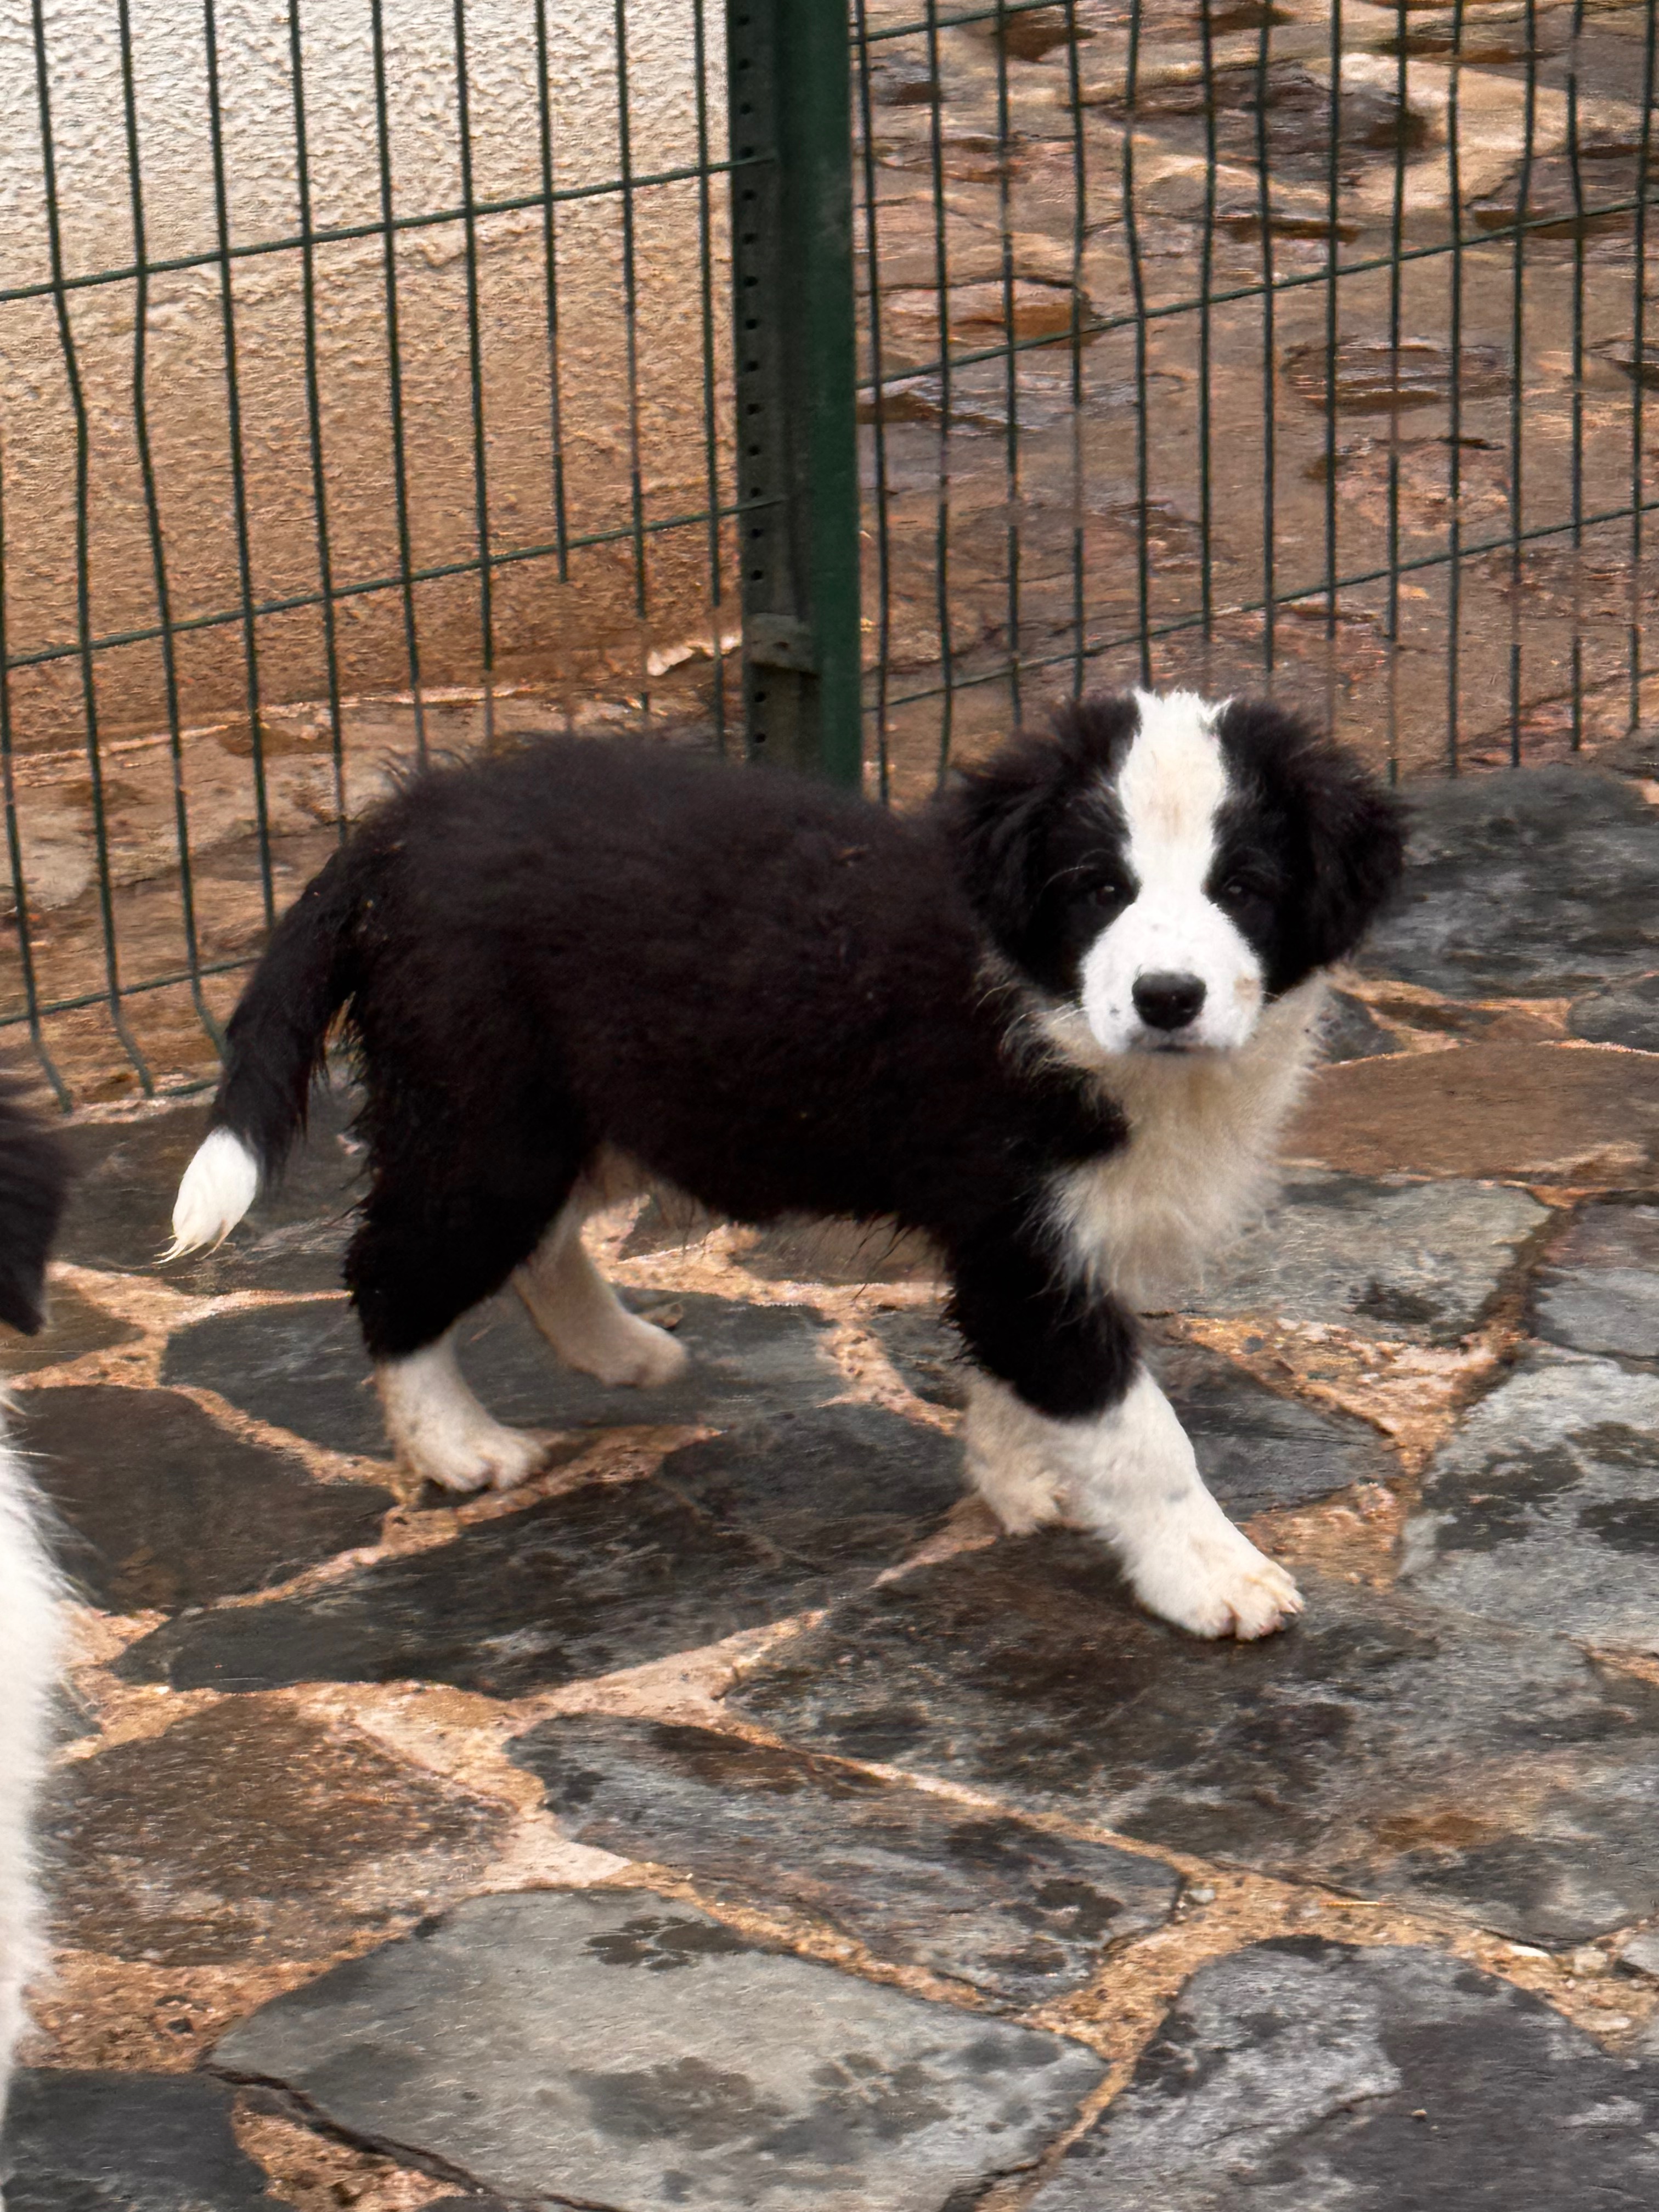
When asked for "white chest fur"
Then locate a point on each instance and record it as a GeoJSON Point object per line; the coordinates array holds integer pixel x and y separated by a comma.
{"type": "Point", "coordinates": [1200, 1161]}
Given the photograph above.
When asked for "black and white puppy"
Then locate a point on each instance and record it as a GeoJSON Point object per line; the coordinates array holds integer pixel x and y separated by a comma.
{"type": "Point", "coordinates": [1055, 1023]}
{"type": "Point", "coordinates": [33, 1181]}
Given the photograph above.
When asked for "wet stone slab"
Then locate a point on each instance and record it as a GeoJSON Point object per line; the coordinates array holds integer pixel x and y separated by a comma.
{"type": "Point", "coordinates": [1601, 1290]}
{"type": "Point", "coordinates": [1351, 1031]}
{"type": "Point", "coordinates": [163, 1508]}
{"type": "Point", "coordinates": [1305, 2077]}
{"type": "Point", "coordinates": [731, 1532]}
{"type": "Point", "coordinates": [1625, 1013]}
{"type": "Point", "coordinates": [250, 1831]}
{"type": "Point", "coordinates": [846, 1252]}
{"type": "Point", "coordinates": [1022, 1915]}
{"type": "Point", "coordinates": [1543, 1508]}
{"type": "Point", "coordinates": [127, 1173]}
{"type": "Point", "coordinates": [1381, 1744]}
{"type": "Point", "coordinates": [659, 2060]}
{"type": "Point", "coordinates": [303, 1368]}
{"type": "Point", "coordinates": [926, 1351]}
{"type": "Point", "coordinates": [74, 1327]}
{"type": "Point", "coordinates": [805, 1251]}
{"type": "Point", "coordinates": [1421, 1262]}
{"type": "Point", "coordinates": [125, 2142]}
{"type": "Point", "coordinates": [1516, 1112]}
{"type": "Point", "coordinates": [1539, 883]}
{"type": "Point", "coordinates": [1256, 1449]}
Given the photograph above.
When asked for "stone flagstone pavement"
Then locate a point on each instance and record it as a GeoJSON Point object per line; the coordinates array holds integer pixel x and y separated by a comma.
{"type": "Point", "coordinates": [728, 1820]}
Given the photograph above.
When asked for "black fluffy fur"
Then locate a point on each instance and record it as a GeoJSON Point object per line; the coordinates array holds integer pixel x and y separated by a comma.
{"type": "Point", "coordinates": [34, 1179]}
{"type": "Point", "coordinates": [771, 995]}
{"type": "Point", "coordinates": [1314, 846]}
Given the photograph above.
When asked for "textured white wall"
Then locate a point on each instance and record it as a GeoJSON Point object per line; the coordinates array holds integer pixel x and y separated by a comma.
{"type": "Point", "coordinates": [542, 629]}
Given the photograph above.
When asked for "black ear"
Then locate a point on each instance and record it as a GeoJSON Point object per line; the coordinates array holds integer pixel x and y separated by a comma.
{"type": "Point", "coordinates": [1356, 852]}
{"type": "Point", "coordinates": [999, 814]}
{"type": "Point", "coordinates": [33, 1185]}
{"type": "Point", "coordinates": [995, 815]}
{"type": "Point", "coordinates": [1343, 831]}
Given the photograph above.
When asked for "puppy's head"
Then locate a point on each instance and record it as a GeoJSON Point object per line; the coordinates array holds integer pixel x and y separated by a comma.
{"type": "Point", "coordinates": [1171, 867]}
{"type": "Point", "coordinates": [33, 1184]}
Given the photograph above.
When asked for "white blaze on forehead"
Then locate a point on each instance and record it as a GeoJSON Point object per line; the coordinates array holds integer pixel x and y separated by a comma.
{"type": "Point", "coordinates": [1170, 788]}
{"type": "Point", "coordinates": [1169, 791]}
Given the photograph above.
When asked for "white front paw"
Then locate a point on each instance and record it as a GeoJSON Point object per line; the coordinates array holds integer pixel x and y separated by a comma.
{"type": "Point", "coordinates": [484, 1458]}
{"type": "Point", "coordinates": [1208, 1579]}
{"type": "Point", "coordinates": [1008, 1463]}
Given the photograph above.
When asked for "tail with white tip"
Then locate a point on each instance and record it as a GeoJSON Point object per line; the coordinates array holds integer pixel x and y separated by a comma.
{"type": "Point", "coordinates": [275, 1042]}
{"type": "Point", "coordinates": [219, 1184]}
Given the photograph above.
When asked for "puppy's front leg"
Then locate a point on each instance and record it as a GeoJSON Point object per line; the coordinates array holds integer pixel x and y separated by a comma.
{"type": "Point", "coordinates": [1129, 1474]}
{"type": "Point", "coordinates": [1066, 1424]}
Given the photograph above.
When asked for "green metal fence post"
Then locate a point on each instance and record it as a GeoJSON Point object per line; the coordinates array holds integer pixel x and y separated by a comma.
{"type": "Point", "coordinates": [789, 76]}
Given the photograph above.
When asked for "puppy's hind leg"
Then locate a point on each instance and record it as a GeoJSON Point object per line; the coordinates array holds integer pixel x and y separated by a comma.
{"type": "Point", "coordinates": [439, 1429]}
{"type": "Point", "coordinates": [583, 1319]}
{"type": "Point", "coordinates": [421, 1259]}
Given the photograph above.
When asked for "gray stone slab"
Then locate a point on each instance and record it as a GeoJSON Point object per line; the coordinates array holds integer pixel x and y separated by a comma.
{"type": "Point", "coordinates": [1256, 1448]}
{"type": "Point", "coordinates": [927, 1353]}
{"type": "Point", "coordinates": [668, 1221]}
{"type": "Point", "coordinates": [616, 2049]}
{"type": "Point", "coordinates": [127, 1174]}
{"type": "Point", "coordinates": [164, 1509]}
{"type": "Point", "coordinates": [1624, 1013]}
{"type": "Point", "coordinates": [125, 2142]}
{"type": "Point", "coordinates": [1022, 1914]}
{"type": "Point", "coordinates": [1536, 883]}
{"type": "Point", "coordinates": [848, 1252]}
{"type": "Point", "coordinates": [1351, 1031]}
{"type": "Point", "coordinates": [74, 1328]}
{"type": "Point", "coordinates": [1303, 2076]}
{"type": "Point", "coordinates": [1601, 1290]}
{"type": "Point", "coordinates": [250, 1832]}
{"type": "Point", "coordinates": [1420, 1262]}
{"type": "Point", "coordinates": [737, 1530]}
{"type": "Point", "coordinates": [795, 1250]}
{"type": "Point", "coordinates": [1542, 1508]}
{"type": "Point", "coordinates": [303, 1368]}
{"type": "Point", "coordinates": [1383, 1745]}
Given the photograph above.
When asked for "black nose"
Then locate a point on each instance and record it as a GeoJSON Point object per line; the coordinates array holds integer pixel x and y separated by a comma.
{"type": "Point", "coordinates": [1168, 1002]}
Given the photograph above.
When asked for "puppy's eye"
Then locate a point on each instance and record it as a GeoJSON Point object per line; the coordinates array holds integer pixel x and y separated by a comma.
{"type": "Point", "coordinates": [1239, 890]}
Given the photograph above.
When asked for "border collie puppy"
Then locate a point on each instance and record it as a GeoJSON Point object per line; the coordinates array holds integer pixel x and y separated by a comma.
{"type": "Point", "coordinates": [1054, 1022]}
{"type": "Point", "coordinates": [34, 1178]}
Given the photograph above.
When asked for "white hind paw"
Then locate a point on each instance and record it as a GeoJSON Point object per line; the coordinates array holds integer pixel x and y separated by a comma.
{"type": "Point", "coordinates": [440, 1431]}
{"type": "Point", "coordinates": [641, 1356]}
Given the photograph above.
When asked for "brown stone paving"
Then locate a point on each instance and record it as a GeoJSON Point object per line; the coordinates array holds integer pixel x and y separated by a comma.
{"type": "Point", "coordinates": [1582, 1115]}
{"type": "Point", "coordinates": [227, 1862]}
{"type": "Point", "coordinates": [215, 1854]}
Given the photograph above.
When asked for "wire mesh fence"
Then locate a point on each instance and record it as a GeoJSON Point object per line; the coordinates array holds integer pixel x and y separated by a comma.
{"type": "Point", "coordinates": [395, 376]}
{"type": "Point", "coordinates": [1303, 344]}
{"type": "Point", "coordinates": [362, 396]}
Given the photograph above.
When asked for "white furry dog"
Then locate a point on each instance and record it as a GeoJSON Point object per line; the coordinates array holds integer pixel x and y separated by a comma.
{"type": "Point", "coordinates": [32, 1178]}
